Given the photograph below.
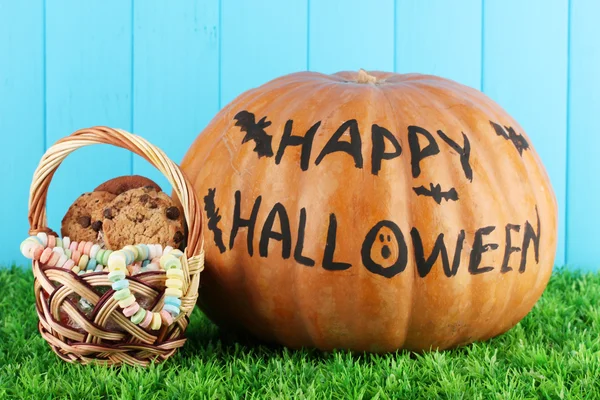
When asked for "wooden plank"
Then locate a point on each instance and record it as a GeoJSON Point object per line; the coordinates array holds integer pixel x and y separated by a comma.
{"type": "Point", "coordinates": [261, 40]}
{"type": "Point", "coordinates": [176, 75]}
{"type": "Point", "coordinates": [351, 34]}
{"type": "Point", "coordinates": [583, 217]}
{"type": "Point", "coordinates": [440, 37]}
{"type": "Point", "coordinates": [21, 116]}
{"type": "Point", "coordinates": [525, 71]}
{"type": "Point", "coordinates": [88, 82]}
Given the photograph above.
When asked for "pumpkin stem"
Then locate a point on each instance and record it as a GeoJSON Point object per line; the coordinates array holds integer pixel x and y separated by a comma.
{"type": "Point", "coordinates": [365, 77]}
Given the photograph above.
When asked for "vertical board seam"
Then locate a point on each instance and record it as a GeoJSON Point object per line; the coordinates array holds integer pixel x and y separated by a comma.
{"type": "Point", "coordinates": [568, 135]}
{"type": "Point", "coordinates": [482, 44]}
{"type": "Point", "coordinates": [220, 55]}
{"type": "Point", "coordinates": [44, 80]}
{"type": "Point", "coordinates": [308, 35]}
{"type": "Point", "coordinates": [131, 83]}
{"type": "Point", "coordinates": [395, 52]}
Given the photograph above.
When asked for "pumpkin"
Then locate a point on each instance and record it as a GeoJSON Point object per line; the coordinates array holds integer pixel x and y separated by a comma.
{"type": "Point", "coordinates": [371, 211]}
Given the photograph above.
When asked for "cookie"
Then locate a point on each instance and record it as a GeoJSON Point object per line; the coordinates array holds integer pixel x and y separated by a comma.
{"type": "Point", "coordinates": [83, 219]}
{"type": "Point", "coordinates": [142, 215]}
{"type": "Point", "coordinates": [122, 184]}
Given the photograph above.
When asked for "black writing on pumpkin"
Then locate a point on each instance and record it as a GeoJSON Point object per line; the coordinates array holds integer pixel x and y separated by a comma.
{"type": "Point", "coordinates": [347, 139]}
{"type": "Point", "coordinates": [376, 251]}
{"type": "Point", "coordinates": [212, 213]}
{"type": "Point", "coordinates": [508, 133]}
{"type": "Point", "coordinates": [436, 192]}
{"type": "Point", "coordinates": [255, 132]}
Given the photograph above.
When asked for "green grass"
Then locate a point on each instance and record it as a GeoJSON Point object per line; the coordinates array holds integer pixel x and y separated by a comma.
{"type": "Point", "coordinates": [553, 353]}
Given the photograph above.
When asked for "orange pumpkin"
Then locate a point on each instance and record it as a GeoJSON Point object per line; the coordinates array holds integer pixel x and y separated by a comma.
{"type": "Point", "coordinates": [371, 211]}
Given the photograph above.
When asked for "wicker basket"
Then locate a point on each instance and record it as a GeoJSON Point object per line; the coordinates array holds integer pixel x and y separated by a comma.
{"type": "Point", "coordinates": [104, 334]}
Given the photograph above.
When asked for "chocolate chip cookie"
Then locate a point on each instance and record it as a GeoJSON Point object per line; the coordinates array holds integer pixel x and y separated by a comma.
{"type": "Point", "coordinates": [143, 215]}
{"type": "Point", "coordinates": [83, 219]}
{"type": "Point", "coordinates": [122, 184]}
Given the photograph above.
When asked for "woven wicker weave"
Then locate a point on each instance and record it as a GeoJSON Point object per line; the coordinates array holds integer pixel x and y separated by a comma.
{"type": "Point", "coordinates": [105, 335]}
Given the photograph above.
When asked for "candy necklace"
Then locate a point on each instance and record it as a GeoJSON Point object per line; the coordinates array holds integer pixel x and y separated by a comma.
{"type": "Point", "coordinates": [87, 257]}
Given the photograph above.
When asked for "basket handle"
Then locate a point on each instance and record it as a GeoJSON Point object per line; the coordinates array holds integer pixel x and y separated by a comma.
{"type": "Point", "coordinates": [55, 155]}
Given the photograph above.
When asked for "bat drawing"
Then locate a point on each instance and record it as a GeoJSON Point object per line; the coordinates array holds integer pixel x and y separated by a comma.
{"type": "Point", "coordinates": [255, 131]}
{"type": "Point", "coordinates": [213, 218]}
{"type": "Point", "coordinates": [517, 139]}
{"type": "Point", "coordinates": [435, 191]}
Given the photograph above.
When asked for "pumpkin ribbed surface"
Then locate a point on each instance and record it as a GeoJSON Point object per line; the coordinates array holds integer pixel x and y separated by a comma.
{"type": "Point", "coordinates": [371, 211]}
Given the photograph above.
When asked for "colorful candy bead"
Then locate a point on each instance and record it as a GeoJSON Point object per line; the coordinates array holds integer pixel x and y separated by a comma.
{"type": "Point", "coordinates": [173, 292]}
{"type": "Point", "coordinates": [138, 316]}
{"type": "Point", "coordinates": [169, 261]}
{"type": "Point", "coordinates": [76, 256]}
{"type": "Point", "coordinates": [51, 241]}
{"type": "Point", "coordinates": [174, 301]}
{"type": "Point", "coordinates": [119, 285]}
{"type": "Point", "coordinates": [43, 237]}
{"type": "Point", "coordinates": [175, 273]}
{"type": "Point", "coordinates": [152, 267]}
{"type": "Point", "coordinates": [53, 259]}
{"type": "Point", "coordinates": [37, 252]}
{"type": "Point", "coordinates": [117, 260]}
{"type": "Point", "coordinates": [167, 250]}
{"type": "Point", "coordinates": [171, 309]}
{"type": "Point", "coordinates": [83, 261]}
{"type": "Point", "coordinates": [167, 318]}
{"type": "Point", "coordinates": [177, 253]}
{"type": "Point", "coordinates": [156, 321]}
{"type": "Point", "coordinates": [127, 301]}
{"type": "Point", "coordinates": [94, 251]}
{"type": "Point", "coordinates": [87, 257]}
{"type": "Point", "coordinates": [45, 255]}
{"type": "Point", "coordinates": [105, 257]}
{"type": "Point", "coordinates": [116, 275]}
{"type": "Point", "coordinates": [61, 261]}
{"type": "Point", "coordinates": [99, 256]}
{"type": "Point", "coordinates": [147, 319]}
{"type": "Point", "coordinates": [133, 249]}
{"type": "Point", "coordinates": [69, 264]}
{"type": "Point", "coordinates": [131, 310]}
{"type": "Point", "coordinates": [145, 251]}
{"type": "Point", "coordinates": [174, 283]}
{"type": "Point", "coordinates": [122, 294]}
{"type": "Point", "coordinates": [91, 265]}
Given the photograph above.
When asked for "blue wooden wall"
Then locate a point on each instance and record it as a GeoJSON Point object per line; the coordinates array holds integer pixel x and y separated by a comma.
{"type": "Point", "coordinates": [164, 68]}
